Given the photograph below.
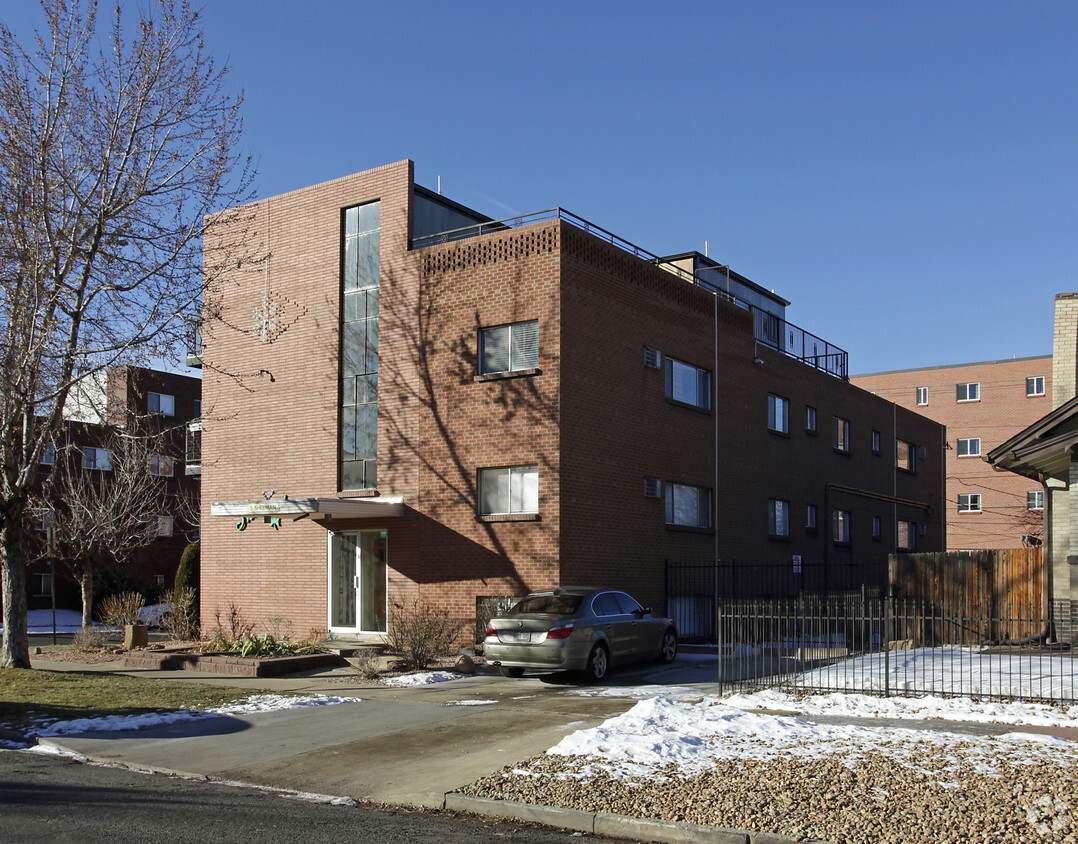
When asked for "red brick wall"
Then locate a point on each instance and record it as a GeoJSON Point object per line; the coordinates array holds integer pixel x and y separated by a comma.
{"type": "Point", "coordinates": [618, 428]}
{"type": "Point", "coordinates": [278, 430]}
{"type": "Point", "coordinates": [1002, 411]}
{"type": "Point", "coordinates": [468, 424]}
{"type": "Point", "coordinates": [437, 424]}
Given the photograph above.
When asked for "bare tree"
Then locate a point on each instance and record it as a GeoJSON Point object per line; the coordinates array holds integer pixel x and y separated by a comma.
{"type": "Point", "coordinates": [114, 148]}
{"type": "Point", "coordinates": [187, 508]}
{"type": "Point", "coordinates": [105, 506]}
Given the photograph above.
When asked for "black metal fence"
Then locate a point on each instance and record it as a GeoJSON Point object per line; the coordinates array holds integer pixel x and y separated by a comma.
{"type": "Point", "coordinates": [692, 588]}
{"type": "Point", "coordinates": [841, 626]}
{"type": "Point", "coordinates": [881, 645]}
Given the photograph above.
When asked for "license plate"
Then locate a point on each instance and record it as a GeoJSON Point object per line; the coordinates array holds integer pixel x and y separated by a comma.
{"type": "Point", "coordinates": [518, 636]}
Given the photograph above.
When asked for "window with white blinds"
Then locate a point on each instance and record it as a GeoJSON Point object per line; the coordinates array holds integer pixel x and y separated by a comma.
{"type": "Point", "coordinates": [509, 348]}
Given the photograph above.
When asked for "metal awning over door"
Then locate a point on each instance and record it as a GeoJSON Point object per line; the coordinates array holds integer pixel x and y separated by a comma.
{"type": "Point", "coordinates": [316, 508]}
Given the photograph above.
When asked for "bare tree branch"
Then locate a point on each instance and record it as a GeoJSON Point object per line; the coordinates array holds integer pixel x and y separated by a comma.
{"type": "Point", "coordinates": [104, 512]}
{"type": "Point", "coordinates": [119, 150]}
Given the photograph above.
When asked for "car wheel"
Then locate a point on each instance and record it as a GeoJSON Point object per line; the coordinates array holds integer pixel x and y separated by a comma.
{"type": "Point", "coordinates": [598, 663]}
{"type": "Point", "coordinates": [668, 650]}
{"type": "Point", "coordinates": [511, 670]}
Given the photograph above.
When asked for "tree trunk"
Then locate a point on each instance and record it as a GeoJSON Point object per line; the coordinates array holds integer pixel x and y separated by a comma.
{"type": "Point", "coordinates": [16, 643]}
{"type": "Point", "coordinates": [86, 587]}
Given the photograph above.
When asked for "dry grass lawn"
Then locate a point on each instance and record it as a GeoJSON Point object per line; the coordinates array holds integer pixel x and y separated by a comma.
{"type": "Point", "coordinates": [30, 696]}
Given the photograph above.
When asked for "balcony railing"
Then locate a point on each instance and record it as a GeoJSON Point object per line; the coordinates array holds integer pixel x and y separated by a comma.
{"type": "Point", "coordinates": [193, 450]}
{"type": "Point", "coordinates": [769, 329]}
{"type": "Point", "coordinates": [795, 342]}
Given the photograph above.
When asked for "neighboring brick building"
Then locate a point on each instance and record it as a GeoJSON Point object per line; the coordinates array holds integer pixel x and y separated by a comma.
{"type": "Point", "coordinates": [125, 397]}
{"type": "Point", "coordinates": [1045, 453]}
{"type": "Point", "coordinates": [394, 409]}
{"type": "Point", "coordinates": [981, 405]}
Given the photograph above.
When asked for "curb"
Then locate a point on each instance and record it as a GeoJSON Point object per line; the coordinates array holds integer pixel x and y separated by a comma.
{"type": "Point", "coordinates": [606, 823]}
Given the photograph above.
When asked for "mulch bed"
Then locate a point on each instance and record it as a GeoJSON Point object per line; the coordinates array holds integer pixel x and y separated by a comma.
{"type": "Point", "coordinates": [75, 655]}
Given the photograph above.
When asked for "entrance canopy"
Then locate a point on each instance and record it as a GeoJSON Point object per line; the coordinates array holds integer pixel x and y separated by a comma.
{"type": "Point", "coordinates": [317, 508]}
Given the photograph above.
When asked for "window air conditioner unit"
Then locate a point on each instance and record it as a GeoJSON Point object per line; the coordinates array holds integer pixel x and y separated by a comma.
{"type": "Point", "coordinates": [653, 358]}
{"type": "Point", "coordinates": [922, 453]}
{"type": "Point", "coordinates": [653, 487]}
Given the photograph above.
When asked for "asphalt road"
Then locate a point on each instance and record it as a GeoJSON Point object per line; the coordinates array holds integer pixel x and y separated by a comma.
{"type": "Point", "coordinates": [58, 800]}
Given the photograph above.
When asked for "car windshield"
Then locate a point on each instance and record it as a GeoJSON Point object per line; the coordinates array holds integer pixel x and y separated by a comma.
{"type": "Point", "coordinates": [551, 604]}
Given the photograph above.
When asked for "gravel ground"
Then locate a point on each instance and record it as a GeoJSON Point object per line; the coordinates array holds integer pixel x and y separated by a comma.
{"type": "Point", "coordinates": [937, 798]}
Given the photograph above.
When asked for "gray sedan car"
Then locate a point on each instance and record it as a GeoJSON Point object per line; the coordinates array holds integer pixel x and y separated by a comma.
{"type": "Point", "coordinates": [577, 629]}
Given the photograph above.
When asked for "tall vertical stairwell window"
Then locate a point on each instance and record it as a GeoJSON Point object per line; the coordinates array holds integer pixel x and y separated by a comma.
{"type": "Point", "coordinates": [359, 347]}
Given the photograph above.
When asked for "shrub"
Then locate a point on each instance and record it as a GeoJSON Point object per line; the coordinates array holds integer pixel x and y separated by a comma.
{"type": "Point", "coordinates": [88, 639]}
{"type": "Point", "coordinates": [279, 627]}
{"type": "Point", "coordinates": [420, 633]}
{"type": "Point", "coordinates": [250, 645]}
{"type": "Point", "coordinates": [120, 609]}
{"type": "Point", "coordinates": [237, 625]}
{"type": "Point", "coordinates": [366, 664]}
{"type": "Point", "coordinates": [187, 581]}
{"type": "Point", "coordinates": [267, 645]}
{"type": "Point", "coordinates": [177, 620]}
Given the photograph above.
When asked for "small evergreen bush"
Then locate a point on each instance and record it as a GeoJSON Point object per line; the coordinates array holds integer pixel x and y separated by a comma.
{"type": "Point", "coordinates": [187, 583]}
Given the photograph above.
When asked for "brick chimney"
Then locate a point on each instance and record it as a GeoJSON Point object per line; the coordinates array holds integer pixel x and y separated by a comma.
{"type": "Point", "coordinates": [1065, 349]}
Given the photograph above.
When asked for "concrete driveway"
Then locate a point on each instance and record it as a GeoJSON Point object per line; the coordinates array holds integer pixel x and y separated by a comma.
{"type": "Point", "coordinates": [406, 746]}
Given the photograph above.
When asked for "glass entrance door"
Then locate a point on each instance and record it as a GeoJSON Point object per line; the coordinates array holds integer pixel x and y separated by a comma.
{"type": "Point", "coordinates": [357, 582]}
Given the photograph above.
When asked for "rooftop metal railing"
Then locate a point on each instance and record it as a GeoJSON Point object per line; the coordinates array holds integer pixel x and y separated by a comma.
{"type": "Point", "coordinates": [797, 343]}
{"type": "Point", "coordinates": [769, 329]}
{"type": "Point", "coordinates": [193, 358]}
{"type": "Point", "coordinates": [531, 219]}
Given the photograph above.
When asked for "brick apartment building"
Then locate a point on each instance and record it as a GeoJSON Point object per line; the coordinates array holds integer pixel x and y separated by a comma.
{"type": "Point", "coordinates": [982, 405]}
{"type": "Point", "coordinates": [155, 402]}
{"type": "Point", "coordinates": [409, 400]}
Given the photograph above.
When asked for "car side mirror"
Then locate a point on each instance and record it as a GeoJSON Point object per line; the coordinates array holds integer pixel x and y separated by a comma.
{"type": "Point", "coordinates": [644, 611]}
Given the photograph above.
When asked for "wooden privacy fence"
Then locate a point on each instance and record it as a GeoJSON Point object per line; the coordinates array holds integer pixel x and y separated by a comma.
{"type": "Point", "coordinates": [1006, 586]}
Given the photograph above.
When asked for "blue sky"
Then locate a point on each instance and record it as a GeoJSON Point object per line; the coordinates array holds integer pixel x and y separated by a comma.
{"type": "Point", "coordinates": [903, 172]}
